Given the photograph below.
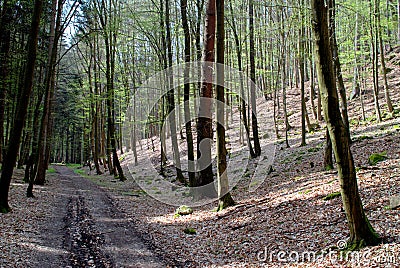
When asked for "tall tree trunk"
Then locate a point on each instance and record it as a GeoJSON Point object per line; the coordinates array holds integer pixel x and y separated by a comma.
{"type": "Point", "coordinates": [361, 231]}
{"type": "Point", "coordinates": [204, 121]}
{"type": "Point", "coordinates": [23, 101]}
{"type": "Point", "coordinates": [242, 98]}
{"type": "Point", "coordinates": [49, 90]}
{"type": "Point", "coordinates": [336, 62]}
{"type": "Point", "coordinates": [224, 196]}
{"type": "Point", "coordinates": [5, 41]}
{"type": "Point", "coordinates": [302, 86]}
{"type": "Point", "coordinates": [383, 64]}
{"type": "Point", "coordinates": [254, 123]}
{"type": "Point", "coordinates": [374, 48]}
{"type": "Point", "coordinates": [94, 108]}
{"type": "Point", "coordinates": [186, 95]}
{"type": "Point", "coordinates": [171, 97]}
{"type": "Point", "coordinates": [109, 23]}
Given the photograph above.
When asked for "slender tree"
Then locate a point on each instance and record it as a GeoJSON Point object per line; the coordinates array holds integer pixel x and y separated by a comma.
{"type": "Point", "coordinates": [109, 23]}
{"type": "Point", "coordinates": [224, 196]}
{"type": "Point", "coordinates": [383, 63]}
{"type": "Point", "coordinates": [336, 62]}
{"type": "Point", "coordinates": [55, 34]}
{"type": "Point", "coordinates": [243, 106]}
{"type": "Point", "coordinates": [171, 97]}
{"type": "Point", "coordinates": [254, 122]}
{"type": "Point", "coordinates": [302, 78]}
{"type": "Point", "coordinates": [5, 42]}
{"type": "Point", "coordinates": [204, 121]}
{"type": "Point", "coordinates": [361, 231]}
{"type": "Point", "coordinates": [186, 94]}
{"type": "Point", "coordinates": [23, 101]}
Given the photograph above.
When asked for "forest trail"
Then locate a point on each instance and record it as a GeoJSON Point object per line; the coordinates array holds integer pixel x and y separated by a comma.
{"type": "Point", "coordinates": [95, 233]}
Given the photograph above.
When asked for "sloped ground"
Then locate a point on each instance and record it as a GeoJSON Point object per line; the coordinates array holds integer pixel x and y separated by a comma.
{"type": "Point", "coordinates": [285, 222]}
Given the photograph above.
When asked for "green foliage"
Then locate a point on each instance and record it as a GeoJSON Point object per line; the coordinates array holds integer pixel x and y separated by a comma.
{"type": "Point", "coordinates": [4, 210]}
{"type": "Point", "coordinates": [74, 166]}
{"type": "Point", "coordinates": [364, 137]}
{"type": "Point", "coordinates": [290, 113]}
{"type": "Point", "coordinates": [51, 171]}
{"type": "Point", "coordinates": [377, 157]}
{"type": "Point", "coordinates": [354, 122]}
{"type": "Point", "coordinates": [328, 168]}
{"type": "Point", "coordinates": [331, 196]}
{"type": "Point", "coordinates": [190, 231]}
{"type": "Point", "coordinates": [306, 191]}
{"type": "Point", "coordinates": [313, 150]}
{"type": "Point", "coordinates": [184, 210]}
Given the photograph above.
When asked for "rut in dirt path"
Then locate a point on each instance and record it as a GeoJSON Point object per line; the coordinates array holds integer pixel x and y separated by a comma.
{"type": "Point", "coordinates": [97, 234]}
{"type": "Point", "coordinates": [81, 238]}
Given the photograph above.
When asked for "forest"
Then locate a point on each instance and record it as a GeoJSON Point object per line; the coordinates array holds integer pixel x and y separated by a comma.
{"type": "Point", "coordinates": [199, 133]}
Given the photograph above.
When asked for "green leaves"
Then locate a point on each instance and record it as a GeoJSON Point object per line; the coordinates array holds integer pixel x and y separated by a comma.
{"type": "Point", "coordinates": [377, 157]}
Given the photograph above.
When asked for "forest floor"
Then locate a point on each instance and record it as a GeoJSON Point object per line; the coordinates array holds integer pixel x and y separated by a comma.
{"type": "Point", "coordinates": [84, 220]}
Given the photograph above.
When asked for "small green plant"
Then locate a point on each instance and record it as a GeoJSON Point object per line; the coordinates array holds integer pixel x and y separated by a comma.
{"type": "Point", "coordinates": [290, 113]}
{"type": "Point", "coordinates": [184, 210]}
{"type": "Point", "coordinates": [313, 150]}
{"type": "Point", "coordinates": [79, 172]}
{"type": "Point", "coordinates": [328, 168]}
{"type": "Point", "coordinates": [331, 181]}
{"type": "Point", "coordinates": [74, 166]}
{"type": "Point", "coordinates": [354, 122]}
{"type": "Point", "coordinates": [305, 192]}
{"type": "Point", "coordinates": [190, 231]}
{"type": "Point", "coordinates": [377, 157]}
{"type": "Point", "coordinates": [51, 171]}
{"type": "Point", "coordinates": [364, 137]}
{"type": "Point", "coordinates": [331, 196]}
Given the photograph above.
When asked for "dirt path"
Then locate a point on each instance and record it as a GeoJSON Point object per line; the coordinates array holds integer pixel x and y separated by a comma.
{"type": "Point", "coordinates": [88, 230]}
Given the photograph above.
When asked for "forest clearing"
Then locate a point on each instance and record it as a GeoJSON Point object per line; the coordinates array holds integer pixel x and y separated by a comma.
{"type": "Point", "coordinates": [199, 133]}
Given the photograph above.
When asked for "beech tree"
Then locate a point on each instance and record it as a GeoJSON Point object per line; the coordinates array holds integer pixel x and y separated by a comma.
{"type": "Point", "coordinates": [186, 89]}
{"type": "Point", "coordinates": [361, 231]}
{"type": "Point", "coordinates": [224, 196]}
{"type": "Point", "coordinates": [204, 122]}
{"type": "Point", "coordinates": [107, 14]}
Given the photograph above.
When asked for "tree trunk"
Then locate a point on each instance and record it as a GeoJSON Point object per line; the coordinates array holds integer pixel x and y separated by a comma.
{"type": "Point", "coordinates": [336, 63]}
{"type": "Point", "coordinates": [254, 123]}
{"type": "Point", "coordinates": [109, 26]}
{"type": "Point", "coordinates": [186, 95]}
{"type": "Point", "coordinates": [5, 41]}
{"type": "Point", "coordinates": [374, 48]}
{"type": "Point", "coordinates": [204, 121]}
{"type": "Point", "coordinates": [383, 64]}
{"type": "Point", "coordinates": [171, 98]}
{"type": "Point", "coordinates": [242, 97]}
{"type": "Point", "coordinates": [361, 231]}
{"type": "Point", "coordinates": [224, 196]}
{"type": "Point", "coordinates": [328, 161]}
{"type": "Point", "coordinates": [49, 90]}
{"type": "Point", "coordinates": [23, 101]}
{"type": "Point", "coordinates": [302, 86]}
